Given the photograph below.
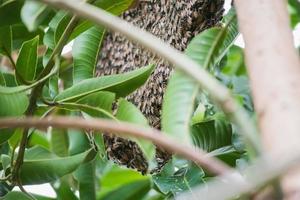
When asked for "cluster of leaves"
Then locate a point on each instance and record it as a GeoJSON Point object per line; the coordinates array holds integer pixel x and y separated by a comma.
{"type": "Point", "coordinates": [32, 37]}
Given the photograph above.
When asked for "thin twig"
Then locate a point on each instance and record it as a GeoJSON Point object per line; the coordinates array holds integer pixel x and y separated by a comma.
{"type": "Point", "coordinates": [123, 129]}
{"type": "Point", "coordinates": [37, 91]}
{"type": "Point", "coordinates": [218, 92]}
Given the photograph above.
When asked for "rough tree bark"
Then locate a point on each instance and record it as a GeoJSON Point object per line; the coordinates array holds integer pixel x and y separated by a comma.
{"type": "Point", "coordinates": [274, 71]}
{"type": "Point", "coordinates": [175, 22]}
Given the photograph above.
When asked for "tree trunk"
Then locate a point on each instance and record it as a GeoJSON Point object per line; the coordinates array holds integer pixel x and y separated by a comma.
{"type": "Point", "coordinates": [274, 71]}
{"type": "Point", "coordinates": [175, 22]}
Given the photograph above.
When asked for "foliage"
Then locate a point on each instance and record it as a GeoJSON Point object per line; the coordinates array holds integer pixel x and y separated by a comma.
{"type": "Point", "coordinates": [74, 161]}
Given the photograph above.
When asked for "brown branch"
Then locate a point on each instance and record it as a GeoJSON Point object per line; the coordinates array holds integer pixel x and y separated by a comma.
{"type": "Point", "coordinates": [123, 129]}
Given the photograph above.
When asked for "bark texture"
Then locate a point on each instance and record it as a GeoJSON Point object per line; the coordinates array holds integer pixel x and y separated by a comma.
{"type": "Point", "coordinates": [175, 22]}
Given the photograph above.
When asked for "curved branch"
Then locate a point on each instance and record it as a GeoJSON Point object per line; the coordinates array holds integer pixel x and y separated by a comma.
{"type": "Point", "coordinates": [122, 129]}
{"type": "Point", "coordinates": [218, 92]}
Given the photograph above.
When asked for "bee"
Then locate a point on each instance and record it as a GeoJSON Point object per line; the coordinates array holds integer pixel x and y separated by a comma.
{"type": "Point", "coordinates": [173, 21]}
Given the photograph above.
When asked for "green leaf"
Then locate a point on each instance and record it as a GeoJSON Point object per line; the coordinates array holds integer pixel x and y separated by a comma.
{"type": "Point", "coordinates": [38, 138]}
{"type": "Point", "coordinates": [122, 85]}
{"type": "Point", "coordinates": [103, 100]}
{"type": "Point", "coordinates": [211, 135]}
{"type": "Point", "coordinates": [59, 142]}
{"type": "Point", "coordinates": [10, 12]}
{"type": "Point", "coordinates": [5, 40]}
{"type": "Point", "coordinates": [85, 53]}
{"type": "Point", "coordinates": [178, 105]}
{"type": "Point", "coordinates": [23, 196]}
{"type": "Point", "coordinates": [5, 135]}
{"type": "Point", "coordinates": [27, 60]}
{"type": "Point", "coordinates": [40, 166]}
{"type": "Point", "coordinates": [20, 34]}
{"type": "Point", "coordinates": [130, 113]}
{"type": "Point", "coordinates": [56, 28]}
{"type": "Point", "coordinates": [13, 101]}
{"type": "Point", "coordinates": [86, 173]}
{"type": "Point", "coordinates": [86, 176]}
{"type": "Point", "coordinates": [115, 7]}
{"type": "Point", "coordinates": [33, 14]}
{"type": "Point", "coordinates": [294, 11]}
{"type": "Point", "coordinates": [207, 49]}
{"type": "Point", "coordinates": [136, 190]}
{"type": "Point", "coordinates": [210, 46]}
{"type": "Point", "coordinates": [116, 177]}
{"type": "Point", "coordinates": [235, 64]}
{"type": "Point", "coordinates": [96, 105]}
{"type": "Point", "coordinates": [2, 79]}
{"type": "Point", "coordinates": [227, 154]}
{"type": "Point", "coordinates": [182, 180]}
{"type": "Point", "coordinates": [63, 190]}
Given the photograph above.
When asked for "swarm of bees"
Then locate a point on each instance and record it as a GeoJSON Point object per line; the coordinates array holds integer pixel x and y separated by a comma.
{"type": "Point", "coordinates": [173, 21]}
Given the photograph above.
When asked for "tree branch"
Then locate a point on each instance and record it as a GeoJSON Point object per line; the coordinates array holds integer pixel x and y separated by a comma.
{"type": "Point", "coordinates": [218, 92]}
{"type": "Point", "coordinates": [264, 170]}
{"type": "Point", "coordinates": [274, 69]}
{"type": "Point", "coordinates": [123, 129]}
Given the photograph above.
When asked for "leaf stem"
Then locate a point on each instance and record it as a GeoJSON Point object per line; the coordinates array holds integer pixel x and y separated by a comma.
{"type": "Point", "coordinates": [35, 93]}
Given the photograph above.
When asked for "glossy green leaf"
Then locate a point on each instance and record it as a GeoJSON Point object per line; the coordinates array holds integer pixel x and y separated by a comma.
{"type": "Point", "coordinates": [59, 142]}
{"type": "Point", "coordinates": [33, 14]}
{"type": "Point", "coordinates": [227, 154]}
{"type": "Point", "coordinates": [130, 113]}
{"type": "Point", "coordinates": [235, 64]}
{"type": "Point", "coordinates": [56, 28]}
{"type": "Point", "coordinates": [85, 53]}
{"type": "Point", "coordinates": [27, 60]}
{"type": "Point", "coordinates": [40, 166]}
{"type": "Point", "coordinates": [210, 46]}
{"type": "Point", "coordinates": [118, 176]}
{"type": "Point", "coordinates": [206, 49]}
{"type": "Point", "coordinates": [13, 100]}
{"type": "Point", "coordinates": [136, 190]}
{"type": "Point", "coordinates": [211, 135]}
{"type": "Point", "coordinates": [5, 40]}
{"type": "Point", "coordinates": [102, 99]}
{"type": "Point", "coordinates": [39, 138]}
{"type": "Point", "coordinates": [86, 173]}
{"type": "Point", "coordinates": [96, 105]}
{"type": "Point", "coordinates": [10, 12]}
{"type": "Point", "coordinates": [121, 84]}
{"type": "Point", "coordinates": [20, 34]}
{"type": "Point", "coordinates": [182, 180]}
